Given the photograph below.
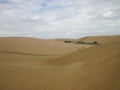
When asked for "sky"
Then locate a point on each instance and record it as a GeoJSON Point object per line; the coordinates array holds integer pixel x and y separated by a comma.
{"type": "Point", "coordinates": [59, 18]}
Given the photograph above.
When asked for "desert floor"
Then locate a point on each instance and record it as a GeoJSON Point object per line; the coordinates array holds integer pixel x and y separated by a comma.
{"type": "Point", "coordinates": [37, 64]}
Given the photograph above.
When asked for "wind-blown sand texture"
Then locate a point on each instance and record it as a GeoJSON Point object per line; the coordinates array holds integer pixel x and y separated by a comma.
{"type": "Point", "coordinates": [36, 64]}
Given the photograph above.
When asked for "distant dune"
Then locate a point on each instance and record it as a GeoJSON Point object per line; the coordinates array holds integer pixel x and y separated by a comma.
{"type": "Point", "coordinates": [77, 67]}
{"type": "Point", "coordinates": [36, 46]}
{"type": "Point", "coordinates": [101, 39]}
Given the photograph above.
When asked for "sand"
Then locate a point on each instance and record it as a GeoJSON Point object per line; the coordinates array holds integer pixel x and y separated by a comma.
{"type": "Point", "coordinates": [101, 39]}
{"type": "Point", "coordinates": [36, 64]}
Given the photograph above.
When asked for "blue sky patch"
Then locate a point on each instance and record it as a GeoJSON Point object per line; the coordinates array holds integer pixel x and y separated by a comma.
{"type": "Point", "coordinates": [4, 1]}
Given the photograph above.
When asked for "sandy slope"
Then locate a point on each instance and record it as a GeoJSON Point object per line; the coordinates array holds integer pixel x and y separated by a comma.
{"type": "Point", "coordinates": [101, 39]}
{"type": "Point", "coordinates": [36, 46]}
{"type": "Point", "coordinates": [95, 68]}
{"type": "Point", "coordinates": [33, 51]}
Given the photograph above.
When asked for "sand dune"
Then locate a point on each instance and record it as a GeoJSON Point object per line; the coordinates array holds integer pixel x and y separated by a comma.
{"type": "Point", "coordinates": [101, 39]}
{"type": "Point", "coordinates": [33, 51]}
{"type": "Point", "coordinates": [36, 46]}
{"type": "Point", "coordinates": [93, 68]}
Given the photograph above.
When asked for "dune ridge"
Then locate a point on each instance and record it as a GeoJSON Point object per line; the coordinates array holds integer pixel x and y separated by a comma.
{"type": "Point", "coordinates": [24, 53]}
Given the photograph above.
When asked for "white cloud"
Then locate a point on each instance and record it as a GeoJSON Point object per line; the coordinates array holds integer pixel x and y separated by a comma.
{"type": "Point", "coordinates": [59, 18]}
{"type": "Point", "coordinates": [108, 12]}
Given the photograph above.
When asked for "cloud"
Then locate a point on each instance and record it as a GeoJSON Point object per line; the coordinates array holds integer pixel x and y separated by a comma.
{"type": "Point", "coordinates": [59, 18]}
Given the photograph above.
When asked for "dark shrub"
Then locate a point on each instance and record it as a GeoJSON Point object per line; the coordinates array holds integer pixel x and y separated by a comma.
{"type": "Point", "coordinates": [80, 42]}
{"type": "Point", "coordinates": [95, 42]}
{"type": "Point", "coordinates": [67, 41]}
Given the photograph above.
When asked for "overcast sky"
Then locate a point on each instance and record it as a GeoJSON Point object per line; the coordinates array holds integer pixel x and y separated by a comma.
{"type": "Point", "coordinates": [59, 18]}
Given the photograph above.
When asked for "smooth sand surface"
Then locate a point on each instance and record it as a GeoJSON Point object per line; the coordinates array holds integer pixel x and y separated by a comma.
{"type": "Point", "coordinates": [36, 46]}
{"type": "Point", "coordinates": [101, 39]}
{"type": "Point", "coordinates": [79, 68]}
